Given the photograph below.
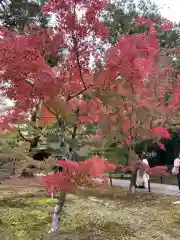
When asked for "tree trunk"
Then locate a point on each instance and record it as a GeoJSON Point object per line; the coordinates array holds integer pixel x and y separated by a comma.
{"type": "Point", "coordinates": [132, 186]}
{"type": "Point", "coordinates": [34, 143]}
{"type": "Point", "coordinates": [57, 211]}
{"type": "Point", "coordinates": [52, 195]}
{"type": "Point", "coordinates": [14, 167]}
{"type": "Point", "coordinates": [133, 162]}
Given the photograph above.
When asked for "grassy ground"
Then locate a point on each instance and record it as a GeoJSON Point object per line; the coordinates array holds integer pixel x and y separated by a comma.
{"type": "Point", "coordinates": [94, 214]}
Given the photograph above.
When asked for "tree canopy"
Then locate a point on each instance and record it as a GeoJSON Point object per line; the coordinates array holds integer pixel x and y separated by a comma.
{"type": "Point", "coordinates": [120, 17]}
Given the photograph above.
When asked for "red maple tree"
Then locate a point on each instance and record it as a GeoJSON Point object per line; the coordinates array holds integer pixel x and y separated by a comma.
{"type": "Point", "coordinates": [115, 88]}
{"type": "Point", "coordinates": [85, 173]}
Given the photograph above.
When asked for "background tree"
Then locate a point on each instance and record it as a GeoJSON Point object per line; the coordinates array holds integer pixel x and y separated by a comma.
{"type": "Point", "coordinates": [15, 15]}
{"type": "Point", "coordinates": [120, 18]}
{"type": "Point", "coordinates": [13, 156]}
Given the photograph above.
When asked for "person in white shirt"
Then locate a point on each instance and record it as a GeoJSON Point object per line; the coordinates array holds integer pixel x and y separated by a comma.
{"type": "Point", "coordinates": [142, 173]}
{"type": "Point", "coordinates": [176, 170]}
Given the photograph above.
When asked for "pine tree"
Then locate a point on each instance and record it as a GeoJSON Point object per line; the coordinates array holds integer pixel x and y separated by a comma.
{"type": "Point", "coordinates": [20, 13]}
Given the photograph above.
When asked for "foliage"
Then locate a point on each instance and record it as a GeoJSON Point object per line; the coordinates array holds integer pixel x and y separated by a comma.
{"type": "Point", "coordinates": [76, 174]}
{"type": "Point", "coordinates": [13, 155]}
{"type": "Point", "coordinates": [121, 91]}
{"type": "Point", "coordinates": [8, 140]}
{"type": "Point", "coordinates": [15, 15]}
{"type": "Point", "coordinates": [120, 18]}
{"type": "Point", "coordinates": [119, 155]}
{"type": "Point", "coordinates": [42, 2]}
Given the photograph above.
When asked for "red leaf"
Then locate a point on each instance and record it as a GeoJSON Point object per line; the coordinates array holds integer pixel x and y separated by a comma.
{"type": "Point", "coordinates": [158, 170]}
{"type": "Point", "coordinates": [166, 25]}
{"type": "Point", "coordinates": [162, 146]}
{"type": "Point", "coordinates": [78, 173]}
{"type": "Point", "coordinates": [161, 132]}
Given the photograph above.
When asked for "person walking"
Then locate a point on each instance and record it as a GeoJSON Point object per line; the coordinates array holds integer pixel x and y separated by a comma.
{"type": "Point", "coordinates": [176, 171]}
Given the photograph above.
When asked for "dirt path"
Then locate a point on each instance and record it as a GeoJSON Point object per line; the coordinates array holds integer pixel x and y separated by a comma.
{"type": "Point", "coordinates": [170, 190]}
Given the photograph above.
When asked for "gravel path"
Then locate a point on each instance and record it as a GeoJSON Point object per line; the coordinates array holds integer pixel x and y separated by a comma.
{"type": "Point", "coordinates": [170, 190]}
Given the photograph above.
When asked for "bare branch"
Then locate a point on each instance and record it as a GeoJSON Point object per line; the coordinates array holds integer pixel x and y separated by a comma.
{"type": "Point", "coordinates": [23, 137]}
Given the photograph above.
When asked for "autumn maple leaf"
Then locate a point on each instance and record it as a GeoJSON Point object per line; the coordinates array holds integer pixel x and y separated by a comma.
{"type": "Point", "coordinates": [78, 174]}
{"type": "Point", "coordinates": [161, 132]}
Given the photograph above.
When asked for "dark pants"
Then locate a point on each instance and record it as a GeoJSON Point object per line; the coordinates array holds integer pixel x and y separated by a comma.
{"type": "Point", "coordinates": [178, 178]}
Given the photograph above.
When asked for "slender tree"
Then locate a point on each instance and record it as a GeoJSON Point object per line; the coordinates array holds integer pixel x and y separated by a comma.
{"type": "Point", "coordinates": [117, 93]}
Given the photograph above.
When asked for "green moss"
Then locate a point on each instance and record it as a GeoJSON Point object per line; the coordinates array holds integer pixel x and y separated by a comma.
{"type": "Point", "coordinates": [40, 201]}
{"type": "Point", "coordinates": [99, 214]}
{"type": "Point", "coordinates": [24, 218]}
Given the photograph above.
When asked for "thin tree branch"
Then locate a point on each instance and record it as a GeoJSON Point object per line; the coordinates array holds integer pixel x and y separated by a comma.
{"type": "Point", "coordinates": [49, 109]}
{"type": "Point", "coordinates": [75, 125]}
{"type": "Point", "coordinates": [76, 50]}
{"type": "Point", "coordinates": [76, 94]}
{"type": "Point", "coordinates": [22, 136]}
